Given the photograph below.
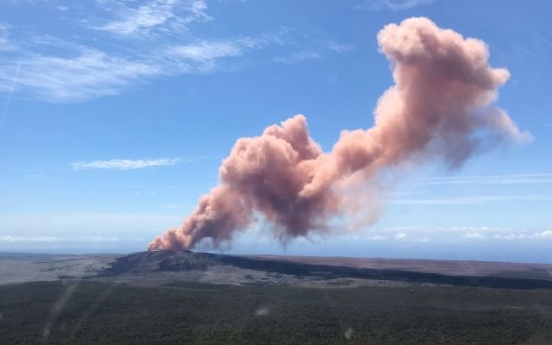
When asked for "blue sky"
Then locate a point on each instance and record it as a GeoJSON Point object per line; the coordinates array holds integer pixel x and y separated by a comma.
{"type": "Point", "coordinates": [115, 115]}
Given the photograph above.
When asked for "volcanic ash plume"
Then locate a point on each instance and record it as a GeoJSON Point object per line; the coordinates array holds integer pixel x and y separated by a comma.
{"type": "Point", "coordinates": [440, 108]}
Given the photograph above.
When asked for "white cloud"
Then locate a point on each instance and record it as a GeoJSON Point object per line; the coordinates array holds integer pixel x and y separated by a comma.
{"type": "Point", "coordinates": [547, 234]}
{"type": "Point", "coordinates": [154, 14]}
{"type": "Point", "coordinates": [400, 236]}
{"type": "Point", "coordinates": [474, 236]}
{"type": "Point", "coordinates": [510, 236]}
{"type": "Point", "coordinates": [454, 234]}
{"type": "Point", "coordinates": [392, 5]}
{"type": "Point", "coordinates": [125, 164]}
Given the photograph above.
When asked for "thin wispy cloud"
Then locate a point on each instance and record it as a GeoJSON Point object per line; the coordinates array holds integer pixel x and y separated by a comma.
{"type": "Point", "coordinates": [88, 75]}
{"type": "Point", "coordinates": [10, 96]}
{"type": "Point", "coordinates": [203, 55]}
{"type": "Point", "coordinates": [511, 236]}
{"type": "Point", "coordinates": [125, 164]}
{"type": "Point", "coordinates": [64, 224]}
{"type": "Point", "coordinates": [203, 49]}
{"type": "Point", "coordinates": [80, 73]}
{"type": "Point", "coordinates": [206, 51]}
{"type": "Point", "coordinates": [392, 5]}
{"type": "Point", "coordinates": [13, 238]}
{"type": "Point", "coordinates": [297, 57]}
{"type": "Point", "coordinates": [314, 54]}
{"type": "Point", "coordinates": [37, 40]}
{"type": "Point", "coordinates": [92, 73]}
{"type": "Point", "coordinates": [340, 48]}
{"type": "Point", "coordinates": [470, 200]}
{"type": "Point", "coordinates": [5, 44]}
{"type": "Point", "coordinates": [157, 42]}
{"type": "Point", "coordinates": [51, 239]}
{"type": "Point", "coordinates": [156, 14]}
{"type": "Point", "coordinates": [37, 229]}
{"type": "Point", "coordinates": [491, 179]}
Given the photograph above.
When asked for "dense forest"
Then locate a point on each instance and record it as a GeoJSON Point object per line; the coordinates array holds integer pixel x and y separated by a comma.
{"type": "Point", "coordinates": [85, 312]}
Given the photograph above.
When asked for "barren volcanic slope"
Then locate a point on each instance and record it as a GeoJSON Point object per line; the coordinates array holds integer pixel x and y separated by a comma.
{"type": "Point", "coordinates": [275, 270]}
{"type": "Point", "coordinates": [447, 267]}
{"type": "Point", "coordinates": [21, 268]}
{"type": "Point", "coordinates": [161, 267]}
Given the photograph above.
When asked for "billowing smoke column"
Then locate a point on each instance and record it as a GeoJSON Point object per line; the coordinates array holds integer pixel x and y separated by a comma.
{"type": "Point", "coordinates": [439, 108]}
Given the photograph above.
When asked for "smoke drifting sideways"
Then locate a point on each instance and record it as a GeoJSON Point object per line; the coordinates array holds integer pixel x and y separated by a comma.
{"type": "Point", "coordinates": [439, 109]}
